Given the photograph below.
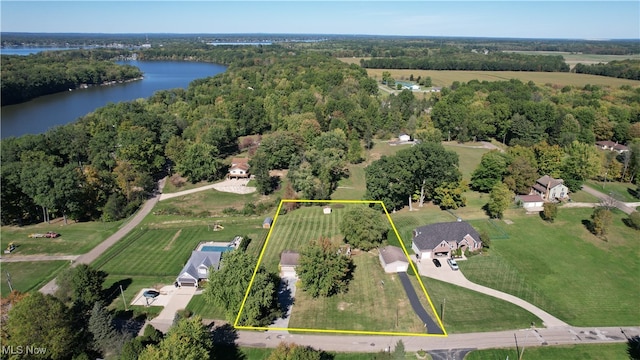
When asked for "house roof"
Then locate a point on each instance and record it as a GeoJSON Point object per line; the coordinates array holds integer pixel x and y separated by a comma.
{"type": "Point", "coordinates": [530, 198]}
{"type": "Point", "coordinates": [549, 181]}
{"type": "Point", "coordinates": [392, 254]}
{"type": "Point", "coordinates": [611, 144]}
{"type": "Point", "coordinates": [238, 161]}
{"type": "Point", "coordinates": [199, 258]}
{"type": "Point", "coordinates": [289, 258]}
{"type": "Point", "coordinates": [242, 166]}
{"type": "Point", "coordinates": [429, 236]}
{"type": "Point", "coordinates": [268, 220]}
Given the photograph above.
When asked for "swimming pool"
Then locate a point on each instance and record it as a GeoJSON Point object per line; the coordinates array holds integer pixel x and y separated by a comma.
{"type": "Point", "coordinates": [216, 248]}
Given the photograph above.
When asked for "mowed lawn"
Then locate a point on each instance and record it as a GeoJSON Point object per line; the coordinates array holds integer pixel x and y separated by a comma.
{"type": "Point", "coordinates": [367, 306]}
{"type": "Point", "coordinates": [569, 352]}
{"type": "Point", "coordinates": [469, 156]}
{"type": "Point", "coordinates": [28, 276]}
{"type": "Point", "coordinates": [564, 269]}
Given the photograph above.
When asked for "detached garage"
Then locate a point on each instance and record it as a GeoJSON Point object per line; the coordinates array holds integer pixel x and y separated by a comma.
{"type": "Point", "coordinates": [393, 259]}
{"type": "Point", "coordinates": [531, 203]}
{"type": "Point", "coordinates": [288, 262]}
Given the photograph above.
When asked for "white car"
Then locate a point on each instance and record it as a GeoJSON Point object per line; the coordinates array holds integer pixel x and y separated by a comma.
{"type": "Point", "coordinates": [453, 264]}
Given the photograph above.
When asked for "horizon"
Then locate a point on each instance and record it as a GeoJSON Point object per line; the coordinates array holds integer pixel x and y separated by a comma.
{"type": "Point", "coordinates": [563, 20]}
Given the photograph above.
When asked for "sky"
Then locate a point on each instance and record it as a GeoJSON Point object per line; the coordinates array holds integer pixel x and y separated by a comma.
{"type": "Point", "coordinates": [505, 19]}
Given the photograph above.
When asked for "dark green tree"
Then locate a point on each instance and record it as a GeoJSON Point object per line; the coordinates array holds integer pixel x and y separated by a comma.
{"type": "Point", "coordinates": [292, 351]}
{"type": "Point", "coordinates": [499, 200]}
{"type": "Point", "coordinates": [200, 163]}
{"type": "Point", "coordinates": [363, 227]}
{"type": "Point", "coordinates": [492, 167]}
{"type": "Point", "coordinates": [188, 339]}
{"type": "Point", "coordinates": [323, 270]}
{"type": "Point", "coordinates": [106, 339]}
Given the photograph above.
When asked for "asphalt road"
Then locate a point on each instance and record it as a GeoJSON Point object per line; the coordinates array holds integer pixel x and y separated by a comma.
{"type": "Point", "coordinates": [619, 204]}
{"type": "Point", "coordinates": [430, 324]}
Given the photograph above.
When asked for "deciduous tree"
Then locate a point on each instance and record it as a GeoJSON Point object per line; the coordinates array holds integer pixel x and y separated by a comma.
{"type": "Point", "coordinates": [499, 200]}
{"type": "Point", "coordinates": [188, 339]}
{"type": "Point", "coordinates": [492, 167]}
{"type": "Point", "coordinates": [601, 220]}
{"type": "Point", "coordinates": [363, 227]}
{"type": "Point", "coordinates": [323, 269]}
{"type": "Point", "coordinates": [550, 211]}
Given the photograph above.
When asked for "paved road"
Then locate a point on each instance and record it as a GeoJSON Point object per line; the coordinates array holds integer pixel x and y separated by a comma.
{"type": "Point", "coordinates": [430, 324]}
{"type": "Point", "coordinates": [619, 204]}
{"type": "Point", "coordinates": [564, 335]}
{"type": "Point", "coordinates": [88, 258]}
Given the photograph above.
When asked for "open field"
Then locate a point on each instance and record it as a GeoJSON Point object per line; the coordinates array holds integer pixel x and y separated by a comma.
{"type": "Point", "coordinates": [573, 58]}
{"type": "Point", "coordinates": [75, 239]}
{"type": "Point", "coordinates": [469, 155]}
{"type": "Point", "coordinates": [583, 196]}
{"type": "Point", "coordinates": [27, 276]}
{"type": "Point", "coordinates": [569, 352]}
{"type": "Point", "coordinates": [564, 269]}
{"type": "Point", "coordinates": [206, 203]}
{"type": "Point", "coordinates": [620, 191]}
{"type": "Point", "coordinates": [447, 77]}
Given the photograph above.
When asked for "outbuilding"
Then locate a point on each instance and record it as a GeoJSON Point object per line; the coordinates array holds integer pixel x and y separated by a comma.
{"type": "Point", "coordinates": [266, 224]}
{"type": "Point", "coordinates": [288, 261]}
{"type": "Point", "coordinates": [531, 203]}
{"type": "Point", "coordinates": [393, 259]}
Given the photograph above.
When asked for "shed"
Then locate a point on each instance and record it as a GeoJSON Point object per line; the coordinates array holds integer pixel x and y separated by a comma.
{"type": "Point", "coordinates": [393, 259]}
{"type": "Point", "coordinates": [404, 137]}
{"type": "Point", "coordinates": [288, 261]}
{"type": "Point", "coordinates": [326, 210]}
{"type": "Point", "coordinates": [266, 224]}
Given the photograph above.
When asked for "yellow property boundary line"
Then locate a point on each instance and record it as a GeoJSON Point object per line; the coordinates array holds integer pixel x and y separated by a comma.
{"type": "Point", "coordinates": [404, 249]}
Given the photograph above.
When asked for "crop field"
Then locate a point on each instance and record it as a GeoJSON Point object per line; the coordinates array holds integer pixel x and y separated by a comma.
{"type": "Point", "coordinates": [369, 305]}
{"type": "Point", "coordinates": [564, 269]}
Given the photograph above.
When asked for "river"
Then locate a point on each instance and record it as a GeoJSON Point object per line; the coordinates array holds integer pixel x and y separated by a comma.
{"type": "Point", "coordinates": [39, 115]}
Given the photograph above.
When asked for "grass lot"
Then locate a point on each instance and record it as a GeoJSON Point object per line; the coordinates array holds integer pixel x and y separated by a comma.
{"type": "Point", "coordinates": [199, 306]}
{"type": "Point", "coordinates": [353, 187]}
{"type": "Point", "coordinates": [469, 156]}
{"type": "Point", "coordinates": [564, 269]}
{"type": "Point", "coordinates": [27, 276]}
{"type": "Point", "coordinates": [263, 353]}
{"type": "Point", "coordinates": [583, 196]}
{"type": "Point", "coordinates": [570, 352]}
{"type": "Point", "coordinates": [447, 77]}
{"type": "Point", "coordinates": [621, 191]}
{"type": "Point", "coordinates": [131, 286]}
{"type": "Point", "coordinates": [206, 203]}
{"type": "Point", "coordinates": [75, 239]}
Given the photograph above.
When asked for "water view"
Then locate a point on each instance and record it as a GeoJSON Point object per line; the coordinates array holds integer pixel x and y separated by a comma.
{"type": "Point", "coordinates": [39, 115]}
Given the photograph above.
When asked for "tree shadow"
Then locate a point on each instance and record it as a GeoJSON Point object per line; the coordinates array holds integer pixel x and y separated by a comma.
{"type": "Point", "coordinates": [111, 293]}
{"type": "Point", "coordinates": [633, 347]}
{"type": "Point", "coordinates": [285, 298]}
{"type": "Point", "coordinates": [633, 193]}
{"type": "Point", "coordinates": [588, 224]}
{"type": "Point", "coordinates": [224, 342]}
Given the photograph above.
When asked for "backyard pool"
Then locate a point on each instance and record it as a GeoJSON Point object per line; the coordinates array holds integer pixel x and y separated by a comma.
{"type": "Point", "coordinates": [216, 248]}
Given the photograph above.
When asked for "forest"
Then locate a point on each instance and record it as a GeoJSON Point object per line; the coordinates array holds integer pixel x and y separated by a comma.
{"type": "Point", "coordinates": [626, 69]}
{"type": "Point", "coordinates": [314, 114]}
{"type": "Point", "coordinates": [27, 77]}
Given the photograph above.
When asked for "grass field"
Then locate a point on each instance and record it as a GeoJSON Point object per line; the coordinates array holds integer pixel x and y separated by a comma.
{"type": "Point", "coordinates": [263, 353]}
{"type": "Point", "coordinates": [75, 239]}
{"type": "Point", "coordinates": [447, 77]}
{"type": "Point", "coordinates": [28, 276]}
{"type": "Point", "coordinates": [198, 305]}
{"type": "Point", "coordinates": [620, 191]}
{"type": "Point", "coordinates": [469, 156]}
{"type": "Point", "coordinates": [570, 352]}
{"type": "Point", "coordinates": [206, 203]}
{"type": "Point", "coordinates": [564, 269]}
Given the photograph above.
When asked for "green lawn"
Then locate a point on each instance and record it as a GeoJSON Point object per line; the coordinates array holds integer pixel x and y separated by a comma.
{"type": "Point", "coordinates": [28, 276]}
{"type": "Point", "coordinates": [198, 306]}
{"type": "Point", "coordinates": [353, 187]}
{"type": "Point", "coordinates": [469, 156]}
{"type": "Point", "coordinates": [620, 191]}
{"type": "Point", "coordinates": [583, 196]}
{"type": "Point", "coordinates": [616, 351]}
{"type": "Point", "coordinates": [263, 353]}
{"type": "Point", "coordinates": [206, 203]}
{"type": "Point", "coordinates": [75, 239]}
{"type": "Point", "coordinates": [131, 286]}
{"type": "Point", "coordinates": [564, 269]}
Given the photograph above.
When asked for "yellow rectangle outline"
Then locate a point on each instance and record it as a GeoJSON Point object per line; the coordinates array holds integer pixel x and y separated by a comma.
{"type": "Point", "coordinates": [357, 332]}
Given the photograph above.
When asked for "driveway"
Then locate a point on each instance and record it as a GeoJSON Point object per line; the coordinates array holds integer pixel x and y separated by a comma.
{"type": "Point", "coordinates": [286, 298]}
{"type": "Point", "coordinates": [175, 300]}
{"type": "Point", "coordinates": [429, 323]}
{"type": "Point", "coordinates": [236, 186]}
{"type": "Point", "coordinates": [446, 274]}
{"type": "Point", "coordinates": [619, 204]}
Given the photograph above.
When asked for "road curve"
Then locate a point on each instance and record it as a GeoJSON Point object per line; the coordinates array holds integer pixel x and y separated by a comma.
{"type": "Point", "coordinates": [88, 258]}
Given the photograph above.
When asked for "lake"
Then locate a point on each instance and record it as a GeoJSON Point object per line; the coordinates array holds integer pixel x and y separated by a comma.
{"type": "Point", "coordinates": [39, 115]}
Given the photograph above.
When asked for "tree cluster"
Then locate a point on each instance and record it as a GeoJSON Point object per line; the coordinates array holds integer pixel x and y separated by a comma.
{"type": "Point", "coordinates": [623, 69]}
{"type": "Point", "coordinates": [323, 269]}
{"type": "Point", "coordinates": [27, 77]}
{"type": "Point", "coordinates": [363, 227]}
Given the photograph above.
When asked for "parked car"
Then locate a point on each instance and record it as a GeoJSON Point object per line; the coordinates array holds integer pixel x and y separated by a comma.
{"type": "Point", "coordinates": [436, 262]}
{"type": "Point", "coordinates": [453, 264]}
{"type": "Point", "coordinates": [150, 294]}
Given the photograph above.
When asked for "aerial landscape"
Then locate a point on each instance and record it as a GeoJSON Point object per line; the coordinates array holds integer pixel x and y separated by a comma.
{"type": "Point", "coordinates": [320, 180]}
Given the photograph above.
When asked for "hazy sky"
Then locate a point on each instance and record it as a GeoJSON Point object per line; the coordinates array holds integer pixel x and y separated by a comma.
{"type": "Point", "coordinates": [528, 19]}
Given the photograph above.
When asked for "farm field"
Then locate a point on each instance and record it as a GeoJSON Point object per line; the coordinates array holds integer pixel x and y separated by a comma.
{"type": "Point", "coordinates": [367, 306]}
{"type": "Point", "coordinates": [28, 276]}
{"type": "Point", "coordinates": [447, 77]}
{"type": "Point", "coordinates": [571, 352]}
{"type": "Point", "coordinates": [573, 58]}
{"type": "Point", "coordinates": [564, 269]}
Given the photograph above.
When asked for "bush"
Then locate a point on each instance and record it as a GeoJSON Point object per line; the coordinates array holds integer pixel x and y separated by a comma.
{"type": "Point", "coordinates": [634, 220]}
{"type": "Point", "coordinates": [550, 211]}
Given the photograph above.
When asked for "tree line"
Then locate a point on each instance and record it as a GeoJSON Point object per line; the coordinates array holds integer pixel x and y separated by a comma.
{"type": "Point", "coordinates": [27, 77]}
{"type": "Point", "coordinates": [623, 69]}
{"type": "Point", "coordinates": [472, 61]}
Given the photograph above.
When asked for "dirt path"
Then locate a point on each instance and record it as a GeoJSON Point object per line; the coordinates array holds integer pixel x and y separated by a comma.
{"type": "Point", "coordinates": [89, 257]}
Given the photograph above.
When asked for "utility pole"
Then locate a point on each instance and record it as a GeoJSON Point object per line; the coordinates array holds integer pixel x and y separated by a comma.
{"type": "Point", "coordinates": [123, 299]}
{"type": "Point", "coordinates": [9, 281]}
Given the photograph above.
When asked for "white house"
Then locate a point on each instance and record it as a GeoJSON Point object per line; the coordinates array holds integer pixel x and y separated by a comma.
{"type": "Point", "coordinates": [239, 168]}
{"type": "Point", "coordinates": [288, 262]}
{"type": "Point", "coordinates": [404, 137]}
{"type": "Point", "coordinates": [393, 259]}
{"type": "Point", "coordinates": [550, 189]}
{"type": "Point", "coordinates": [197, 268]}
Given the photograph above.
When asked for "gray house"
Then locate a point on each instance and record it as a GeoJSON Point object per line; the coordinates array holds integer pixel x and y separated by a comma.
{"type": "Point", "coordinates": [197, 268]}
{"type": "Point", "coordinates": [438, 240]}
